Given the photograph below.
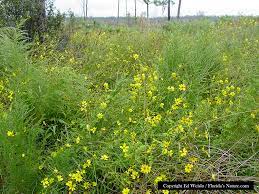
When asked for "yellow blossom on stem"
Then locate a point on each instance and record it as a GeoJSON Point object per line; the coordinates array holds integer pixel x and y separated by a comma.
{"type": "Point", "coordinates": [100, 116]}
{"type": "Point", "coordinates": [136, 56]}
{"type": "Point", "coordinates": [45, 183]}
{"type": "Point", "coordinates": [103, 105]}
{"type": "Point", "coordinates": [87, 164]}
{"type": "Point", "coordinates": [77, 176]}
{"type": "Point", "coordinates": [104, 157]}
{"type": "Point", "coordinates": [86, 185]}
{"type": "Point", "coordinates": [125, 191]}
{"type": "Point", "coordinates": [71, 185]}
{"type": "Point", "coordinates": [60, 178]}
{"type": "Point", "coordinates": [183, 152]}
{"type": "Point", "coordinates": [174, 75]}
{"type": "Point", "coordinates": [10, 134]}
{"type": "Point", "coordinates": [188, 168]}
{"type": "Point", "coordinates": [182, 87]}
{"type": "Point", "coordinates": [145, 168]}
{"type": "Point", "coordinates": [78, 140]}
{"type": "Point", "coordinates": [106, 86]}
{"type": "Point", "coordinates": [124, 147]}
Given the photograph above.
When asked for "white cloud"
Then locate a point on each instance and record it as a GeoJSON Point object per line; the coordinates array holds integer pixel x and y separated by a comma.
{"type": "Point", "coordinates": [189, 7]}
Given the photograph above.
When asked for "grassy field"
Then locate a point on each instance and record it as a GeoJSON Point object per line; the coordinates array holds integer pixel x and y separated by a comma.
{"type": "Point", "coordinates": [118, 109]}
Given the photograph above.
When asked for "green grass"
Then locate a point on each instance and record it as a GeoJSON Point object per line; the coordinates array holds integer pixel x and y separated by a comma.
{"type": "Point", "coordinates": [93, 108]}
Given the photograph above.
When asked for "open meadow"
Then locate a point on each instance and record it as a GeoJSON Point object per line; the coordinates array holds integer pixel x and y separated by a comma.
{"type": "Point", "coordinates": [116, 109]}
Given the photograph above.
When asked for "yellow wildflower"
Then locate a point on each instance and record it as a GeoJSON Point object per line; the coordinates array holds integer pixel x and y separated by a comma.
{"type": "Point", "coordinates": [87, 164]}
{"type": "Point", "coordinates": [165, 191]}
{"type": "Point", "coordinates": [171, 88]}
{"type": "Point", "coordinates": [104, 157]}
{"type": "Point", "coordinates": [188, 168]}
{"type": "Point", "coordinates": [148, 191]}
{"type": "Point", "coordinates": [60, 178]}
{"type": "Point", "coordinates": [68, 145]}
{"type": "Point", "coordinates": [10, 134]}
{"type": "Point", "coordinates": [232, 94]}
{"type": "Point", "coordinates": [182, 87]}
{"type": "Point", "coordinates": [71, 185]}
{"type": "Point", "coordinates": [159, 179]}
{"type": "Point", "coordinates": [86, 185]}
{"type": "Point", "coordinates": [135, 56]}
{"type": "Point", "coordinates": [45, 182]}
{"type": "Point", "coordinates": [77, 176]}
{"type": "Point", "coordinates": [145, 169]}
{"type": "Point", "coordinates": [84, 105]}
{"type": "Point", "coordinates": [174, 75]}
{"type": "Point", "coordinates": [134, 175]}
{"type": "Point", "coordinates": [100, 115]}
{"type": "Point", "coordinates": [103, 105]}
{"type": "Point", "coordinates": [106, 86]}
{"type": "Point", "coordinates": [125, 191]}
{"type": "Point", "coordinates": [124, 147]}
{"type": "Point", "coordinates": [178, 101]}
{"type": "Point", "coordinates": [183, 152]}
{"type": "Point", "coordinates": [161, 105]}
{"type": "Point", "coordinates": [78, 140]}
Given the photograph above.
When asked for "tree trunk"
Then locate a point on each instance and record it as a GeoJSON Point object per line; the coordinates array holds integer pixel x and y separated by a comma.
{"type": "Point", "coordinates": [147, 10]}
{"type": "Point", "coordinates": [169, 10]}
{"type": "Point", "coordinates": [86, 9]}
{"type": "Point", "coordinates": [126, 10]}
{"type": "Point", "coordinates": [41, 20]}
{"type": "Point", "coordinates": [135, 9]}
{"type": "Point", "coordinates": [179, 9]}
{"type": "Point", "coordinates": [118, 17]}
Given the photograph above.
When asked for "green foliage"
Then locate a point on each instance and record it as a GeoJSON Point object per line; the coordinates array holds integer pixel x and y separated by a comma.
{"type": "Point", "coordinates": [36, 17]}
{"type": "Point", "coordinates": [117, 110]}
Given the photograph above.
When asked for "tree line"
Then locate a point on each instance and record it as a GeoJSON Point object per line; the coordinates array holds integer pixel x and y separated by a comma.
{"type": "Point", "coordinates": [163, 3]}
{"type": "Point", "coordinates": [38, 17]}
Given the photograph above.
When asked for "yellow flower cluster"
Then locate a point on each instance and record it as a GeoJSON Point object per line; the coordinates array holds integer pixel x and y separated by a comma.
{"type": "Point", "coordinates": [165, 149]}
{"type": "Point", "coordinates": [188, 168]}
{"type": "Point", "coordinates": [178, 103]}
{"type": "Point", "coordinates": [183, 152]}
{"type": "Point", "coordinates": [187, 120]}
{"type": "Point", "coordinates": [83, 106]}
{"type": "Point", "coordinates": [155, 120]}
{"type": "Point", "coordinates": [160, 178]}
{"type": "Point", "coordinates": [125, 149]}
{"type": "Point", "coordinates": [46, 182]}
{"type": "Point", "coordinates": [77, 176]}
{"type": "Point", "coordinates": [87, 164]}
{"type": "Point", "coordinates": [132, 173]}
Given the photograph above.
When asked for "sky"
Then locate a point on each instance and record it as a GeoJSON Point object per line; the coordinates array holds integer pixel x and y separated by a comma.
{"type": "Point", "coordinates": [103, 8]}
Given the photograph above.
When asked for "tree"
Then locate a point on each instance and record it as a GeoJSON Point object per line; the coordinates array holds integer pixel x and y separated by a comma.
{"type": "Point", "coordinates": [179, 9]}
{"type": "Point", "coordinates": [85, 8]}
{"type": "Point", "coordinates": [147, 2]}
{"type": "Point", "coordinates": [169, 10]}
{"type": "Point", "coordinates": [126, 8]}
{"type": "Point", "coordinates": [118, 10]}
{"type": "Point", "coordinates": [165, 3]}
{"type": "Point", "coordinates": [37, 16]}
{"type": "Point", "coordinates": [135, 9]}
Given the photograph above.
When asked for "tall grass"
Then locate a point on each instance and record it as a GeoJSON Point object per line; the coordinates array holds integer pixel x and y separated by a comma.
{"type": "Point", "coordinates": [116, 111]}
